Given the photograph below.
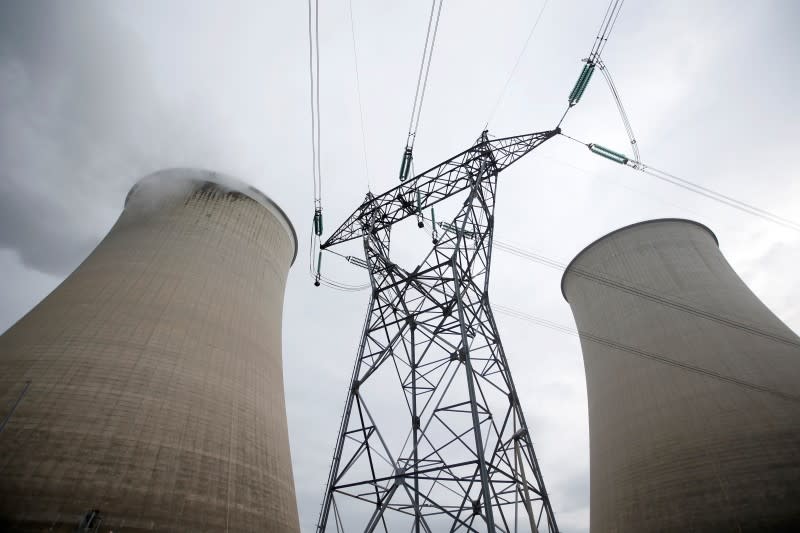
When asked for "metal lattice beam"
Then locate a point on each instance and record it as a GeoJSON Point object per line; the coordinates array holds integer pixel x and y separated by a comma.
{"type": "Point", "coordinates": [434, 185]}
{"type": "Point", "coordinates": [453, 452]}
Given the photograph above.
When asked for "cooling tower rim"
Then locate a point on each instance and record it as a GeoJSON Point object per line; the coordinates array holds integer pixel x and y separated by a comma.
{"type": "Point", "coordinates": [224, 181]}
{"type": "Point", "coordinates": [626, 228]}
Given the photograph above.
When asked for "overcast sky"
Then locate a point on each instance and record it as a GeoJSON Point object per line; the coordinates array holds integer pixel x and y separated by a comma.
{"type": "Point", "coordinates": [96, 94]}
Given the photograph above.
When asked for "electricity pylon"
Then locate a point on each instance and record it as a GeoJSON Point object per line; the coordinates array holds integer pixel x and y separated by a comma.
{"type": "Point", "coordinates": [452, 451]}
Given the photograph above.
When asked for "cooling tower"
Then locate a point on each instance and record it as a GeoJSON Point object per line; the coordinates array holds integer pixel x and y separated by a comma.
{"type": "Point", "coordinates": [693, 387]}
{"type": "Point", "coordinates": [146, 391]}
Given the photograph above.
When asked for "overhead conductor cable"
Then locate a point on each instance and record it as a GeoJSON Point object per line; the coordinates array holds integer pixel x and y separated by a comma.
{"type": "Point", "coordinates": [358, 93]}
{"type": "Point", "coordinates": [422, 83]}
{"type": "Point", "coordinates": [516, 63]}
{"type": "Point", "coordinates": [633, 350]}
{"type": "Point", "coordinates": [315, 259]}
{"type": "Point", "coordinates": [313, 67]}
{"type": "Point", "coordinates": [623, 115]}
{"type": "Point", "coordinates": [711, 194]}
{"type": "Point", "coordinates": [593, 60]}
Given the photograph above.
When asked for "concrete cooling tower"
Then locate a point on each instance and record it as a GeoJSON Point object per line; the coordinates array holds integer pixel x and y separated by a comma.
{"type": "Point", "coordinates": [693, 387]}
{"type": "Point", "coordinates": [146, 392]}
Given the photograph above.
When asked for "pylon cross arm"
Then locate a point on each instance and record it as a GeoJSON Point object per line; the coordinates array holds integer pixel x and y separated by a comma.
{"type": "Point", "coordinates": [434, 185]}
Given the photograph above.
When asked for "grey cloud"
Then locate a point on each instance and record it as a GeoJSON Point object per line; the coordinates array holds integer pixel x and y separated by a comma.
{"type": "Point", "coordinates": [51, 70]}
{"type": "Point", "coordinates": [81, 121]}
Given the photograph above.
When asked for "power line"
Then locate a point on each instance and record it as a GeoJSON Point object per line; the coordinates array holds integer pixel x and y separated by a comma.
{"type": "Point", "coordinates": [689, 185]}
{"type": "Point", "coordinates": [642, 353]}
{"type": "Point", "coordinates": [424, 69]}
{"type": "Point", "coordinates": [609, 20]}
{"type": "Point", "coordinates": [358, 91]}
{"type": "Point", "coordinates": [714, 195]}
{"type": "Point", "coordinates": [643, 292]}
{"type": "Point", "coordinates": [428, 68]}
{"type": "Point", "coordinates": [319, 278]}
{"type": "Point", "coordinates": [623, 115]}
{"type": "Point", "coordinates": [646, 293]}
{"type": "Point", "coordinates": [316, 167]}
{"type": "Point", "coordinates": [526, 254]}
{"type": "Point", "coordinates": [606, 26]}
{"type": "Point", "coordinates": [345, 286]}
{"type": "Point", "coordinates": [313, 68]}
{"type": "Point", "coordinates": [316, 158]}
{"type": "Point", "coordinates": [516, 63]}
{"type": "Point", "coordinates": [318, 113]}
{"type": "Point", "coordinates": [616, 182]}
{"type": "Point", "coordinates": [422, 84]}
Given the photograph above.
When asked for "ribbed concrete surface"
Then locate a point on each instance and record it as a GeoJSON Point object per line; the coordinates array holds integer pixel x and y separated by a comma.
{"type": "Point", "coordinates": [676, 449]}
{"type": "Point", "coordinates": [156, 386]}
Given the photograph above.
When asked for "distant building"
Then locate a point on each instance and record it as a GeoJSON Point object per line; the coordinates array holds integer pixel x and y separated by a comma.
{"type": "Point", "coordinates": [146, 391]}
{"type": "Point", "coordinates": [693, 387]}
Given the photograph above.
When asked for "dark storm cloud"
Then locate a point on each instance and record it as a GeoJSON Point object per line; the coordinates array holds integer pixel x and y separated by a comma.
{"type": "Point", "coordinates": [53, 97]}
{"type": "Point", "coordinates": [80, 120]}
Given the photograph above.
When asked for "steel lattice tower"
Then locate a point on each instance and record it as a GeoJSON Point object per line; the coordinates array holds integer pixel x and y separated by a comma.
{"type": "Point", "coordinates": [458, 439]}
